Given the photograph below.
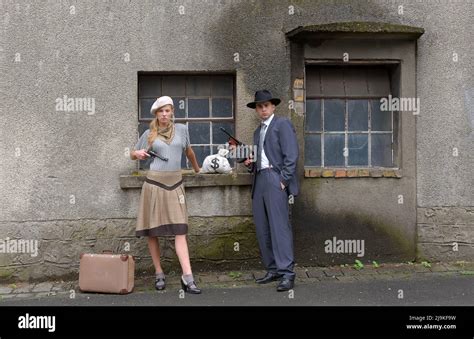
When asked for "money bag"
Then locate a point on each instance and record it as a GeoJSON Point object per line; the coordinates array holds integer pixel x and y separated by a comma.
{"type": "Point", "coordinates": [216, 163]}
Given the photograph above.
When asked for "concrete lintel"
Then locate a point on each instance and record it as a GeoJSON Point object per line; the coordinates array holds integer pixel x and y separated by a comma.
{"type": "Point", "coordinates": [355, 30]}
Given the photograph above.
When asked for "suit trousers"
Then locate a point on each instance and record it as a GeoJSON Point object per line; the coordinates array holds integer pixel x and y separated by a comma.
{"type": "Point", "coordinates": [273, 228]}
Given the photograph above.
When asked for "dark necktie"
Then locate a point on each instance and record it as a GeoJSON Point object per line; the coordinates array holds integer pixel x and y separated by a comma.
{"type": "Point", "coordinates": [263, 128]}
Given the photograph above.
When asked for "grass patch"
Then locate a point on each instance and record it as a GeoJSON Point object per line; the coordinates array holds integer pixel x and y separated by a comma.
{"type": "Point", "coordinates": [234, 275]}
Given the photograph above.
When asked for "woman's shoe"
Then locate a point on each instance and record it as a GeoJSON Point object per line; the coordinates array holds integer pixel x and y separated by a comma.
{"type": "Point", "coordinates": [160, 283]}
{"type": "Point", "coordinates": [190, 287]}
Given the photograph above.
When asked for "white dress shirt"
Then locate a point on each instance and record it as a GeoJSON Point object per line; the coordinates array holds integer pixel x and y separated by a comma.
{"type": "Point", "coordinates": [265, 162]}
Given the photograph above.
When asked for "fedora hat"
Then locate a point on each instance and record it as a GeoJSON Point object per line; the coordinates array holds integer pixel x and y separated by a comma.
{"type": "Point", "coordinates": [263, 96]}
{"type": "Point", "coordinates": [160, 102]}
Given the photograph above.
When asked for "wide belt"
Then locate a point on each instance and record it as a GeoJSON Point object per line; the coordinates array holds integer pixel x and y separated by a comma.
{"type": "Point", "coordinates": [159, 184]}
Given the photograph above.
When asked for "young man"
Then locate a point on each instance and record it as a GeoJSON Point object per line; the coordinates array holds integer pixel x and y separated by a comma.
{"type": "Point", "coordinates": [274, 180]}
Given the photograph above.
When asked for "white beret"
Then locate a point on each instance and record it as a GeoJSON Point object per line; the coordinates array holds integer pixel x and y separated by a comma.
{"type": "Point", "coordinates": [160, 102]}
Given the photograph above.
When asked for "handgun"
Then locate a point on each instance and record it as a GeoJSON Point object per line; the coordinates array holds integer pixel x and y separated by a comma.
{"type": "Point", "coordinates": [153, 154]}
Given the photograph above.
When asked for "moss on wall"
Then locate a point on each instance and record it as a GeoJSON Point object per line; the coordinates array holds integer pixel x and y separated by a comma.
{"type": "Point", "coordinates": [363, 27]}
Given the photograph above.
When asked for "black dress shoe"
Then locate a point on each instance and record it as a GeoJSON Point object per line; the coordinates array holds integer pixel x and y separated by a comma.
{"type": "Point", "coordinates": [190, 287]}
{"type": "Point", "coordinates": [269, 277]}
{"type": "Point", "coordinates": [285, 285]}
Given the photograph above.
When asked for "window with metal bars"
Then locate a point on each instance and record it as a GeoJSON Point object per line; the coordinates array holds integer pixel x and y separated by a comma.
{"type": "Point", "coordinates": [344, 123]}
{"type": "Point", "coordinates": [204, 102]}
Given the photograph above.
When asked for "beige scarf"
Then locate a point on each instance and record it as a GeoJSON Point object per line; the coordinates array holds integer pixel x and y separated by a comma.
{"type": "Point", "coordinates": [166, 134]}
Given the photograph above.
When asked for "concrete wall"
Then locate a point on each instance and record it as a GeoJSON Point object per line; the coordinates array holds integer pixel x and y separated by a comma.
{"type": "Point", "coordinates": [366, 209]}
{"type": "Point", "coordinates": [59, 173]}
{"type": "Point", "coordinates": [445, 193]}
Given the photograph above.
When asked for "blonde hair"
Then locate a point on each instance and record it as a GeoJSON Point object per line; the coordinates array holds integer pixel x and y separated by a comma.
{"type": "Point", "coordinates": [154, 125]}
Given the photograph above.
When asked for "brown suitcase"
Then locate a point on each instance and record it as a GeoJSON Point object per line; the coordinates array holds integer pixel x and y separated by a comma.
{"type": "Point", "coordinates": [107, 273]}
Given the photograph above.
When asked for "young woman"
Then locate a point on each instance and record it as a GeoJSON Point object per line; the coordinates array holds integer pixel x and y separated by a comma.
{"type": "Point", "coordinates": [162, 210]}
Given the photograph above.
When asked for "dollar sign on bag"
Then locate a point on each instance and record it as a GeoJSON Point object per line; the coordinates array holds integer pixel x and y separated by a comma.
{"type": "Point", "coordinates": [215, 163]}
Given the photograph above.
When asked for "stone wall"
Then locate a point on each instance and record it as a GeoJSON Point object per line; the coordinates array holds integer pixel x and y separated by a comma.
{"type": "Point", "coordinates": [216, 241]}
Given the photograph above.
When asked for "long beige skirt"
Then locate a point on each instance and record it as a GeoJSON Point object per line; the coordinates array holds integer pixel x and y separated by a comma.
{"type": "Point", "coordinates": [162, 209]}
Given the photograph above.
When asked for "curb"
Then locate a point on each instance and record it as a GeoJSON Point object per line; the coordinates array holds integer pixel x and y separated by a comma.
{"type": "Point", "coordinates": [337, 274]}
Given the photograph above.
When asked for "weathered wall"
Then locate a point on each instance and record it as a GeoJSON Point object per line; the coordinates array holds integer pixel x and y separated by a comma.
{"type": "Point", "coordinates": [364, 209]}
{"type": "Point", "coordinates": [446, 233]}
{"type": "Point", "coordinates": [445, 193]}
{"type": "Point", "coordinates": [221, 235]}
{"type": "Point", "coordinates": [51, 159]}
{"type": "Point", "coordinates": [217, 242]}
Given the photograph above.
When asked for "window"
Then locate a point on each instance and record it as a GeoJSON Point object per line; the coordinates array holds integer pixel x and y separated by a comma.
{"type": "Point", "coordinates": [205, 103]}
{"type": "Point", "coordinates": [344, 125]}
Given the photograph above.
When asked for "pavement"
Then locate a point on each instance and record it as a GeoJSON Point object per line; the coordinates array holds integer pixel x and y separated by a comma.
{"type": "Point", "coordinates": [407, 284]}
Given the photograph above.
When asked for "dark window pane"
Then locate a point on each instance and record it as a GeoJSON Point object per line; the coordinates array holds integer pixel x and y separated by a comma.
{"type": "Point", "coordinates": [198, 86]}
{"type": "Point", "coordinates": [183, 161]}
{"type": "Point", "coordinates": [222, 108]}
{"type": "Point", "coordinates": [312, 150]}
{"type": "Point", "coordinates": [199, 132]}
{"type": "Point", "coordinates": [380, 120]}
{"type": "Point", "coordinates": [231, 160]}
{"type": "Point", "coordinates": [174, 85]}
{"type": "Point", "coordinates": [222, 86]}
{"type": "Point", "coordinates": [219, 137]}
{"type": "Point", "coordinates": [142, 127]}
{"type": "Point", "coordinates": [379, 81]}
{"type": "Point", "coordinates": [358, 115]}
{"type": "Point", "coordinates": [358, 145]}
{"type": "Point", "coordinates": [355, 81]}
{"type": "Point", "coordinates": [334, 150]}
{"type": "Point", "coordinates": [334, 115]}
{"type": "Point", "coordinates": [145, 106]}
{"type": "Point", "coordinates": [179, 107]}
{"type": "Point", "coordinates": [313, 115]}
{"type": "Point", "coordinates": [144, 164]}
{"type": "Point", "coordinates": [313, 82]}
{"type": "Point", "coordinates": [382, 150]}
{"type": "Point", "coordinates": [198, 108]}
{"type": "Point", "coordinates": [332, 81]}
{"type": "Point", "coordinates": [149, 86]}
{"type": "Point", "coordinates": [201, 153]}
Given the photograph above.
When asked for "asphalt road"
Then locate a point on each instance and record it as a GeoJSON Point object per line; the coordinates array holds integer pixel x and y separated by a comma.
{"type": "Point", "coordinates": [419, 291]}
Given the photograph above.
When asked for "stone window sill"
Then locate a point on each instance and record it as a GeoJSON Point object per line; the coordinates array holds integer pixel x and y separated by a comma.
{"type": "Point", "coordinates": [352, 173]}
{"type": "Point", "coordinates": [191, 179]}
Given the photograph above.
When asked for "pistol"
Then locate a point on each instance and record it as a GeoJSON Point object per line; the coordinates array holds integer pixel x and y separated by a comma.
{"type": "Point", "coordinates": [153, 154]}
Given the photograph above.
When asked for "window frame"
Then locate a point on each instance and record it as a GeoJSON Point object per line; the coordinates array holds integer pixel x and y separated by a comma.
{"type": "Point", "coordinates": [394, 68]}
{"type": "Point", "coordinates": [186, 120]}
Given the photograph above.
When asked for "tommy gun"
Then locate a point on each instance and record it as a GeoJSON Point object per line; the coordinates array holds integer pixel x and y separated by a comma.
{"type": "Point", "coordinates": [234, 142]}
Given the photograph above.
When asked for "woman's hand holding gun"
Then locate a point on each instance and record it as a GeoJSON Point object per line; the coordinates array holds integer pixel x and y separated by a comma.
{"type": "Point", "coordinates": [140, 154]}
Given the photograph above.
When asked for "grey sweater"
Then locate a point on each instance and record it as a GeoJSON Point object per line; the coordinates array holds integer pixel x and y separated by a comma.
{"type": "Point", "coordinates": [173, 151]}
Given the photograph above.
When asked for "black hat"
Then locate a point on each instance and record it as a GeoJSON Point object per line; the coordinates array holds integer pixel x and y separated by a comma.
{"type": "Point", "coordinates": [263, 96]}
